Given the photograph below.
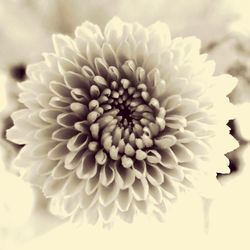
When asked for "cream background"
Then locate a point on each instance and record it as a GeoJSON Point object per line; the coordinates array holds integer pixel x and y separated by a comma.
{"type": "Point", "coordinates": [182, 229]}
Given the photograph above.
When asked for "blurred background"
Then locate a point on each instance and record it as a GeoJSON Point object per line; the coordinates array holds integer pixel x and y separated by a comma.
{"type": "Point", "coordinates": [223, 27]}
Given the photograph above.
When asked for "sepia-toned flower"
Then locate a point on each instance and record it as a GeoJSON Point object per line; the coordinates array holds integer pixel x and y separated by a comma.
{"type": "Point", "coordinates": [117, 122]}
{"type": "Point", "coordinates": [236, 46]}
{"type": "Point", "coordinates": [9, 104]}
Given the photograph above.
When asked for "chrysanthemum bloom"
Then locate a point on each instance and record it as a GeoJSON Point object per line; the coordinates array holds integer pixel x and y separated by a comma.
{"type": "Point", "coordinates": [116, 122]}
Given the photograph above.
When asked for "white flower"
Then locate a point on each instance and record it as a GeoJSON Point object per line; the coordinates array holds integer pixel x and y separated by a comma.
{"type": "Point", "coordinates": [116, 122]}
{"type": "Point", "coordinates": [183, 19]}
{"type": "Point", "coordinates": [236, 46]}
{"type": "Point", "coordinates": [9, 103]}
{"type": "Point", "coordinates": [17, 37]}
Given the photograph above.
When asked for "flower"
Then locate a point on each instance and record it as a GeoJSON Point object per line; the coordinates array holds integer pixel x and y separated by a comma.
{"type": "Point", "coordinates": [9, 104]}
{"type": "Point", "coordinates": [15, 45]}
{"type": "Point", "coordinates": [236, 46]}
{"type": "Point", "coordinates": [183, 19]}
{"type": "Point", "coordinates": [118, 122]}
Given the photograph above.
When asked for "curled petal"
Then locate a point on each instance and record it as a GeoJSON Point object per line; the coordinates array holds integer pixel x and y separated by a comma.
{"type": "Point", "coordinates": [47, 166]}
{"type": "Point", "coordinates": [77, 142]}
{"type": "Point", "coordinates": [60, 172]}
{"type": "Point", "coordinates": [53, 187]}
{"type": "Point", "coordinates": [73, 185]}
{"type": "Point", "coordinates": [124, 199]}
{"type": "Point", "coordinates": [156, 193]}
{"type": "Point", "coordinates": [87, 201]}
{"type": "Point", "coordinates": [92, 184]}
{"type": "Point", "coordinates": [182, 153]}
{"type": "Point", "coordinates": [63, 134]}
{"type": "Point", "coordinates": [59, 89]}
{"type": "Point", "coordinates": [175, 173]}
{"type": "Point", "coordinates": [140, 189]}
{"type": "Point", "coordinates": [88, 168]}
{"type": "Point", "coordinates": [71, 204]}
{"type": "Point", "coordinates": [108, 212]}
{"type": "Point", "coordinates": [58, 151]}
{"type": "Point", "coordinates": [125, 177]}
{"type": "Point", "coordinates": [140, 169]}
{"type": "Point", "coordinates": [154, 175]}
{"type": "Point", "coordinates": [165, 141]}
{"type": "Point", "coordinates": [75, 80]}
{"type": "Point", "coordinates": [108, 193]}
{"type": "Point", "coordinates": [107, 175]}
{"type": "Point", "coordinates": [67, 119]}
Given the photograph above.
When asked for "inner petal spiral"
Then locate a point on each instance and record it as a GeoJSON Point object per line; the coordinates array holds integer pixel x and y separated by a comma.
{"type": "Point", "coordinates": [125, 118]}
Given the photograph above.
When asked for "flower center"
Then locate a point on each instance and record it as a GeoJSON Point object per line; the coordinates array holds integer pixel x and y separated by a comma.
{"type": "Point", "coordinates": [125, 118]}
{"type": "Point", "coordinates": [125, 99]}
{"type": "Point", "coordinates": [125, 115]}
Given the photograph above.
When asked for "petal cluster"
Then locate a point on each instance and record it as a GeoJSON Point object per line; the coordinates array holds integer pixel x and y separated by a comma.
{"type": "Point", "coordinates": [116, 122]}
